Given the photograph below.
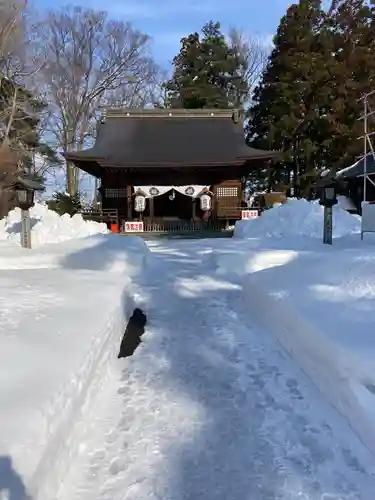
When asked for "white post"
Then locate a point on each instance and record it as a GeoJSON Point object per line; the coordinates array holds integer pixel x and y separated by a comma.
{"type": "Point", "coordinates": [327, 228]}
{"type": "Point", "coordinates": [25, 229]}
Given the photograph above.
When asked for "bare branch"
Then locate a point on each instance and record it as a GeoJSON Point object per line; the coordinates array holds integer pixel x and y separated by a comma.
{"type": "Point", "coordinates": [8, 165]}
{"type": "Point", "coordinates": [11, 27]}
{"type": "Point", "coordinates": [8, 170]}
{"type": "Point", "coordinates": [90, 61]}
{"type": "Point", "coordinates": [17, 61]}
{"type": "Point", "coordinates": [16, 114]}
{"type": "Point", "coordinates": [9, 120]}
{"type": "Point", "coordinates": [144, 91]}
{"type": "Point", "coordinates": [253, 54]}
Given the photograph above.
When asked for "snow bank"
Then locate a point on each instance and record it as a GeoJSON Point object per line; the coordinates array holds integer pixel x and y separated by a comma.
{"type": "Point", "coordinates": [318, 300]}
{"type": "Point", "coordinates": [48, 227]}
{"type": "Point", "coordinates": [103, 252]}
{"type": "Point", "coordinates": [297, 217]}
{"type": "Point", "coordinates": [59, 328]}
{"type": "Point", "coordinates": [320, 306]}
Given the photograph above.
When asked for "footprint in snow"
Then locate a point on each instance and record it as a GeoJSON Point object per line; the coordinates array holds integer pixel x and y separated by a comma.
{"type": "Point", "coordinates": [117, 466]}
{"type": "Point", "coordinates": [112, 437]}
{"type": "Point", "coordinates": [292, 385]}
{"type": "Point", "coordinates": [97, 456]}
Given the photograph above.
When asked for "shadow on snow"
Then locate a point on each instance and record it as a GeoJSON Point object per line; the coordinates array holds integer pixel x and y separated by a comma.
{"type": "Point", "coordinates": [232, 454]}
{"type": "Point", "coordinates": [11, 484]}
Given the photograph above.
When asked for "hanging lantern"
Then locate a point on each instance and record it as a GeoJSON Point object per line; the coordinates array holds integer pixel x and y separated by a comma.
{"type": "Point", "coordinates": [205, 202]}
{"type": "Point", "coordinates": [139, 203]}
{"type": "Point", "coordinates": [172, 196]}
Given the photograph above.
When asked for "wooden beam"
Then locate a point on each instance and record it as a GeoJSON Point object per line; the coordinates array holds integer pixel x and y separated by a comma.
{"type": "Point", "coordinates": [129, 202]}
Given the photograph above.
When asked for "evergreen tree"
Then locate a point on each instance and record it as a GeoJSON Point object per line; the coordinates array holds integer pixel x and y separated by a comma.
{"type": "Point", "coordinates": [287, 113]}
{"type": "Point", "coordinates": [20, 116]}
{"type": "Point", "coordinates": [307, 103]}
{"type": "Point", "coordinates": [206, 72]}
{"type": "Point", "coordinates": [20, 137]}
{"type": "Point", "coordinates": [351, 22]}
{"type": "Point", "coordinates": [64, 203]}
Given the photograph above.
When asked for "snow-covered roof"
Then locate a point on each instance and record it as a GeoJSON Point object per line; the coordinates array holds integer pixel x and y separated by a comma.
{"type": "Point", "coordinates": [358, 168]}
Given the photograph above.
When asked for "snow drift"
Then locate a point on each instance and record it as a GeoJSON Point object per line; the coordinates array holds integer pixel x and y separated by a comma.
{"type": "Point", "coordinates": [324, 320]}
{"type": "Point", "coordinates": [316, 299]}
{"type": "Point", "coordinates": [63, 313]}
{"type": "Point", "coordinates": [297, 217]}
{"type": "Point", "coordinates": [48, 227]}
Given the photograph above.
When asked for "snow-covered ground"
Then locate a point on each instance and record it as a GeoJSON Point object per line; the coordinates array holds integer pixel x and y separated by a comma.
{"type": "Point", "coordinates": [63, 310]}
{"type": "Point", "coordinates": [211, 405]}
{"type": "Point", "coordinates": [318, 300]}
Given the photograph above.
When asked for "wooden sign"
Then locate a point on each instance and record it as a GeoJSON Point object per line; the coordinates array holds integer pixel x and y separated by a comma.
{"type": "Point", "coordinates": [249, 214]}
{"type": "Point", "coordinates": [134, 227]}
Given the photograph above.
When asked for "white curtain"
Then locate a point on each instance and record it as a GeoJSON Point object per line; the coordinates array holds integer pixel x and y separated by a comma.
{"type": "Point", "coordinates": [151, 191]}
{"type": "Point", "coordinates": [192, 190]}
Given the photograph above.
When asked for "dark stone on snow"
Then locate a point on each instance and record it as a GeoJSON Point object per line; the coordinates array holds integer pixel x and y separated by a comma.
{"type": "Point", "coordinates": [133, 333]}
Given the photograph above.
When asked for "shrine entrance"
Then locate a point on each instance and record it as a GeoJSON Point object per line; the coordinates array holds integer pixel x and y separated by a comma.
{"type": "Point", "coordinates": [173, 204]}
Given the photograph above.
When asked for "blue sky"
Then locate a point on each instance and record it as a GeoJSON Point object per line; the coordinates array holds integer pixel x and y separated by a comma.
{"type": "Point", "coordinates": [167, 21]}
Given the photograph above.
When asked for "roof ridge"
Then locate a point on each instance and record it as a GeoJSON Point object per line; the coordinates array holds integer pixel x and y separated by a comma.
{"type": "Point", "coordinates": [166, 113]}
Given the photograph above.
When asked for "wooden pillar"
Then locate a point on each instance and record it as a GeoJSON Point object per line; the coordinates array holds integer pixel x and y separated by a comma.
{"type": "Point", "coordinates": [130, 202]}
{"type": "Point", "coordinates": [193, 208]}
{"type": "Point", "coordinates": [213, 206]}
{"type": "Point", "coordinates": [152, 210]}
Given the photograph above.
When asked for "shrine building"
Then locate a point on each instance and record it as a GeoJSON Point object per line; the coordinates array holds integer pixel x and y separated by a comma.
{"type": "Point", "coordinates": [165, 170]}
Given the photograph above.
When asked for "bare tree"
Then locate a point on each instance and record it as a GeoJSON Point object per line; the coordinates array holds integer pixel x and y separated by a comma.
{"type": "Point", "coordinates": [144, 91]}
{"type": "Point", "coordinates": [18, 106]}
{"type": "Point", "coordinates": [11, 30]}
{"type": "Point", "coordinates": [91, 60]}
{"type": "Point", "coordinates": [17, 30]}
{"type": "Point", "coordinates": [12, 96]}
{"type": "Point", "coordinates": [253, 54]}
{"type": "Point", "coordinates": [8, 170]}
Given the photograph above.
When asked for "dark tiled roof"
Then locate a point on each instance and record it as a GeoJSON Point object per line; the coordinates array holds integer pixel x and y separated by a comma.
{"type": "Point", "coordinates": [170, 137]}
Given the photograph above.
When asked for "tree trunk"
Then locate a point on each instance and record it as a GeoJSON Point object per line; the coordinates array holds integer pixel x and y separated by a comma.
{"type": "Point", "coordinates": [71, 185]}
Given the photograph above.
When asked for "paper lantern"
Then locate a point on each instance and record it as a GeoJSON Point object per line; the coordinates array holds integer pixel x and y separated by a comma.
{"type": "Point", "coordinates": [205, 202]}
{"type": "Point", "coordinates": [139, 203]}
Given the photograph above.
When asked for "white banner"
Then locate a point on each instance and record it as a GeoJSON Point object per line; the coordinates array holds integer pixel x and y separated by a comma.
{"type": "Point", "coordinates": [151, 191]}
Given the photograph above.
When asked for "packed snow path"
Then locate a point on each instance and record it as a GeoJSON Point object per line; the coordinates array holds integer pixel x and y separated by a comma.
{"type": "Point", "coordinates": [210, 406]}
